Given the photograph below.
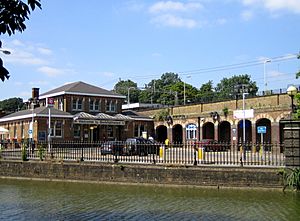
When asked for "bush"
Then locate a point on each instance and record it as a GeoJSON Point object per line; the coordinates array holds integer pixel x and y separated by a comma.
{"type": "Point", "coordinates": [41, 151]}
{"type": "Point", "coordinates": [291, 178]}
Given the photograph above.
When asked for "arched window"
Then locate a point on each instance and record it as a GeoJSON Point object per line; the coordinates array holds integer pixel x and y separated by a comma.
{"type": "Point", "coordinates": [191, 131]}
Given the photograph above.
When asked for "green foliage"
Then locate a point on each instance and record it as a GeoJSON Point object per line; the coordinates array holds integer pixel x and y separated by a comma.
{"type": "Point", "coordinates": [169, 90]}
{"type": "Point", "coordinates": [24, 151]}
{"type": "Point", "coordinates": [225, 111]}
{"type": "Point", "coordinates": [13, 14]}
{"type": "Point", "coordinates": [42, 151]}
{"type": "Point", "coordinates": [291, 178]}
{"type": "Point", "coordinates": [123, 87]}
{"type": "Point", "coordinates": [228, 88]}
{"type": "Point", "coordinates": [11, 104]}
{"type": "Point", "coordinates": [161, 115]}
{"type": "Point", "coordinates": [297, 98]}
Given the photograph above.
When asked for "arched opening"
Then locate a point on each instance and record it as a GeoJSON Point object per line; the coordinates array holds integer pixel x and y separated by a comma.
{"type": "Point", "coordinates": [208, 130]}
{"type": "Point", "coordinates": [177, 133]}
{"type": "Point", "coordinates": [248, 131]}
{"type": "Point", "coordinates": [224, 131]}
{"type": "Point", "coordinates": [263, 137]}
{"type": "Point", "coordinates": [161, 133]}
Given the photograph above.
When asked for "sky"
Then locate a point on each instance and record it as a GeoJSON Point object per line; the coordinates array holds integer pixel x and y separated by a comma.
{"type": "Point", "coordinates": [101, 42]}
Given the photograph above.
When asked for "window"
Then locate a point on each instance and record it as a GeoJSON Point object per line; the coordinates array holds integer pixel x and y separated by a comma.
{"type": "Point", "coordinates": [76, 129]}
{"type": "Point", "coordinates": [111, 106]}
{"type": "Point", "coordinates": [77, 104]}
{"type": "Point", "coordinates": [191, 131]}
{"type": "Point", "coordinates": [91, 105]}
{"type": "Point", "coordinates": [110, 132]}
{"type": "Point", "coordinates": [22, 130]}
{"type": "Point", "coordinates": [60, 104]}
{"type": "Point", "coordinates": [15, 131]}
{"type": "Point", "coordinates": [94, 105]}
{"type": "Point", "coordinates": [56, 129]}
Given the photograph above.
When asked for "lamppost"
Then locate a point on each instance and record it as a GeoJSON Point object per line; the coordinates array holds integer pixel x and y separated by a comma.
{"type": "Point", "coordinates": [265, 75]}
{"type": "Point", "coordinates": [32, 121]}
{"type": "Point", "coordinates": [128, 95]}
{"type": "Point", "coordinates": [189, 76]}
{"type": "Point", "coordinates": [292, 91]}
{"type": "Point", "coordinates": [244, 119]}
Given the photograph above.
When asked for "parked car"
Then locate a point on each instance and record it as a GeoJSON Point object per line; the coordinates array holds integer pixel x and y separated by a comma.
{"type": "Point", "coordinates": [140, 146]}
{"type": "Point", "coordinates": [112, 147]}
{"type": "Point", "coordinates": [210, 145]}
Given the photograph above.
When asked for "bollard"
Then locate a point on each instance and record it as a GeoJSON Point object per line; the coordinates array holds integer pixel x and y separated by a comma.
{"type": "Point", "coordinates": [201, 153]}
{"type": "Point", "coordinates": [161, 152]}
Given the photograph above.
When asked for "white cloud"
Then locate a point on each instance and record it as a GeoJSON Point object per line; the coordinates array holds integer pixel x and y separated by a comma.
{"type": "Point", "coordinates": [221, 21]}
{"type": "Point", "coordinates": [275, 5]}
{"type": "Point", "coordinates": [156, 54]}
{"type": "Point", "coordinates": [167, 6]}
{"type": "Point", "coordinates": [108, 74]}
{"type": "Point", "coordinates": [52, 72]}
{"type": "Point", "coordinates": [44, 51]}
{"type": "Point", "coordinates": [18, 56]}
{"type": "Point", "coordinates": [247, 15]}
{"type": "Point", "coordinates": [174, 21]}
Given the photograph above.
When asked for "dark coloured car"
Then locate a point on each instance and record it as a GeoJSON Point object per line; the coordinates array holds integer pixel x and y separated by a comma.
{"type": "Point", "coordinates": [140, 146]}
{"type": "Point", "coordinates": [210, 145]}
{"type": "Point", "coordinates": [112, 147]}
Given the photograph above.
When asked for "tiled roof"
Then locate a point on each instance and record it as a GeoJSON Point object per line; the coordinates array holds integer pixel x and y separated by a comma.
{"type": "Point", "coordinates": [123, 117]}
{"type": "Point", "coordinates": [104, 116]}
{"type": "Point", "coordinates": [83, 115]}
{"type": "Point", "coordinates": [40, 111]}
{"type": "Point", "coordinates": [134, 115]}
{"type": "Point", "coordinates": [80, 87]}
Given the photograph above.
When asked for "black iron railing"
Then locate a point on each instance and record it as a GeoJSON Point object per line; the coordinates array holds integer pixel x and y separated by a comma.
{"type": "Point", "coordinates": [189, 153]}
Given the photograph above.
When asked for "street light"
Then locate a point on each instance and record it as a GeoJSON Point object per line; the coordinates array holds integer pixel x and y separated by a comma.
{"type": "Point", "coordinates": [128, 95]}
{"type": "Point", "coordinates": [189, 76]}
{"type": "Point", "coordinates": [244, 119]}
{"type": "Point", "coordinates": [292, 91]}
{"type": "Point", "coordinates": [265, 77]}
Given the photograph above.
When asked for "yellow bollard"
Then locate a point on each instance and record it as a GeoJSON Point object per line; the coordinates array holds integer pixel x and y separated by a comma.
{"type": "Point", "coordinates": [200, 153]}
{"type": "Point", "coordinates": [161, 151]}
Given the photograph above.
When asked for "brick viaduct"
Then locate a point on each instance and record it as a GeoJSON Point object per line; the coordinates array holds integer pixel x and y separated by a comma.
{"type": "Point", "coordinates": [210, 120]}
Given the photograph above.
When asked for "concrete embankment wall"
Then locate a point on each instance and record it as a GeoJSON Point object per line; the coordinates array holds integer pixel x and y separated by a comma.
{"type": "Point", "coordinates": [144, 174]}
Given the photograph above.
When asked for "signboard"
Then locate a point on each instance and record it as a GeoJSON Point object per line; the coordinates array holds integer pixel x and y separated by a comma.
{"type": "Point", "coordinates": [241, 114]}
{"type": "Point", "coordinates": [262, 129]}
{"type": "Point", "coordinates": [50, 101]}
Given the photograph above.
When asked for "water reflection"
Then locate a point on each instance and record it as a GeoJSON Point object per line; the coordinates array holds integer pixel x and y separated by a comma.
{"type": "Point", "coordinates": [40, 200]}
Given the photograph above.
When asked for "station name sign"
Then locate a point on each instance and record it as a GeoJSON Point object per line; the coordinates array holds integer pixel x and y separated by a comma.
{"type": "Point", "coordinates": [100, 122]}
{"type": "Point", "coordinates": [241, 114]}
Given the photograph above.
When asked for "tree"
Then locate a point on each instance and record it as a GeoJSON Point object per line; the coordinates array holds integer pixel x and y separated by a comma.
{"type": "Point", "coordinates": [13, 14]}
{"type": "Point", "coordinates": [206, 92]}
{"type": "Point", "coordinates": [229, 88]}
{"type": "Point", "coordinates": [128, 87]}
{"type": "Point", "coordinates": [11, 104]}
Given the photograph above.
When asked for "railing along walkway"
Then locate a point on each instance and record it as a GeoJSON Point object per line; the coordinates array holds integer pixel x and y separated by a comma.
{"type": "Point", "coordinates": [186, 154]}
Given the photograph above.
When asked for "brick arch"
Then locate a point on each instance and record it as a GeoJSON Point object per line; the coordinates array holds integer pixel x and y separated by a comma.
{"type": "Point", "coordinates": [283, 115]}
{"type": "Point", "coordinates": [264, 115]}
{"type": "Point", "coordinates": [190, 121]}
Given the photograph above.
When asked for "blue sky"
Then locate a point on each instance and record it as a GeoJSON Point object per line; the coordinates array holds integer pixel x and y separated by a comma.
{"type": "Point", "coordinates": [100, 42]}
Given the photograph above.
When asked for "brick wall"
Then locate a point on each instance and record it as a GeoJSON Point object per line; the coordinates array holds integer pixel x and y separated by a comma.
{"type": "Point", "coordinates": [195, 176]}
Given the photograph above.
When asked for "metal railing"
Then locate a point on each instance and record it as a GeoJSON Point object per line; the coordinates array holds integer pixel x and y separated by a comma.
{"type": "Point", "coordinates": [187, 154]}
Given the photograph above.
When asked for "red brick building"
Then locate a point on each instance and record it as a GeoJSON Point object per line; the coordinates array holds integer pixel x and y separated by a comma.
{"type": "Point", "coordinates": [80, 112]}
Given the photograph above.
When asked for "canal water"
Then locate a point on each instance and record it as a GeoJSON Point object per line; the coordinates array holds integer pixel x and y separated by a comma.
{"type": "Point", "coordinates": [42, 200]}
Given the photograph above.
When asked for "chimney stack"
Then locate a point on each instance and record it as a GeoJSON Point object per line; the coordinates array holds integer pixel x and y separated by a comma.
{"type": "Point", "coordinates": [35, 94]}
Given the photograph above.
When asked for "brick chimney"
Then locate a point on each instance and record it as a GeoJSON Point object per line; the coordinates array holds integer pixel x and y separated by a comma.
{"type": "Point", "coordinates": [35, 94]}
